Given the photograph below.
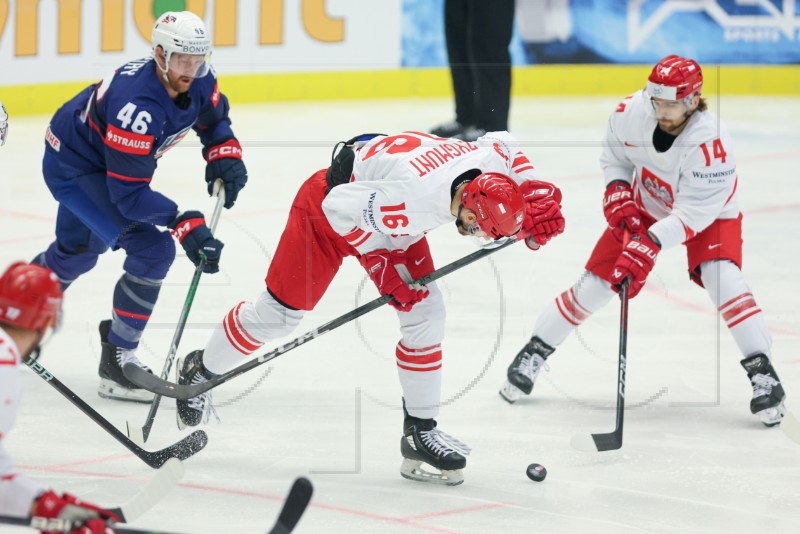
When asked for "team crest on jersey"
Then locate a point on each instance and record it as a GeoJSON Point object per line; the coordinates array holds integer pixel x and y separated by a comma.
{"type": "Point", "coordinates": [128, 142]}
{"type": "Point", "coordinates": [657, 188]}
{"type": "Point", "coordinates": [171, 141]}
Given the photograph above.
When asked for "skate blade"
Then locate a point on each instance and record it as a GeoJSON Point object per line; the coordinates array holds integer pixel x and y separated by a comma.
{"type": "Point", "coordinates": [412, 470]}
{"type": "Point", "coordinates": [510, 392]}
{"type": "Point", "coordinates": [108, 389]}
{"type": "Point", "coordinates": [772, 416]}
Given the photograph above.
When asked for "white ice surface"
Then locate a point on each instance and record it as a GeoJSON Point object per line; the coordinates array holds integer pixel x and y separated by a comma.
{"type": "Point", "coordinates": [694, 458]}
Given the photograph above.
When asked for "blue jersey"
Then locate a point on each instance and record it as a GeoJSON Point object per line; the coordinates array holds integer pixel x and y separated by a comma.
{"type": "Point", "coordinates": [123, 124]}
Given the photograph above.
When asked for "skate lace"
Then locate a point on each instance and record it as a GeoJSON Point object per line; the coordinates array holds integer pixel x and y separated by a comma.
{"type": "Point", "coordinates": [129, 356]}
{"type": "Point", "coordinates": [763, 384]}
{"type": "Point", "coordinates": [531, 364]}
{"type": "Point", "coordinates": [203, 402]}
{"type": "Point", "coordinates": [442, 444]}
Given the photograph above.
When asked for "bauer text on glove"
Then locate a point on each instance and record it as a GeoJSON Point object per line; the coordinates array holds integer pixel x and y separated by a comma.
{"type": "Point", "coordinates": [620, 210]}
{"type": "Point", "coordinates": [636, 261]}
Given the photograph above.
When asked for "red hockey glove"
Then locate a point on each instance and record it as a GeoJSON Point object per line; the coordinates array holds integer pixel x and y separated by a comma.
{"type": "Point", "coordinates": [537, 191]}
{"type": "Point", "coordinates": [620, 210]}
{"type": "Point", "coordinates": [85, 518]}
{"type": "Point", "coordinates": [543, 219]}
{"type": "Point", "coordinates": [224, 160]}
{"type": "Point", "coordinates": [382, 267]}
{"type": "Point", "coordinates": [637, 260]}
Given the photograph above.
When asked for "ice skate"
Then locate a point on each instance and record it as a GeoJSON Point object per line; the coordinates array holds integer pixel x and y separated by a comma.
{"type": "Point", "coordinates": [192, 412]}
{"type": "Point", "coordinates": [524, 369]}
{"type": "Point", "coordinates": [448, 129]}
{"type": "Point", "coordinates": [422, 443]}
{"type": "Point", "coordinates": [114, 384]}
{"type": "Point", "coordinates": [768, 394]}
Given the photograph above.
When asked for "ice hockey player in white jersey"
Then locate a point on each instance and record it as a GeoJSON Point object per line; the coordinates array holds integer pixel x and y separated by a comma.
{"type": "Point", "coordinates": [670, 178]}
{"type": "Point", "coordinates": [30, 300]}
{"type": "Point", "coordinates": [376, 202]}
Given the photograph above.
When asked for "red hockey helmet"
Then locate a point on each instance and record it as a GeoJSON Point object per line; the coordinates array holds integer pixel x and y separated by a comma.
{"type": "Point", "coordinates": [497, 202]}
{"type": "Point", "coordinates": [675, 78]}
{"type": "Point", "coordinates": [30, 297]}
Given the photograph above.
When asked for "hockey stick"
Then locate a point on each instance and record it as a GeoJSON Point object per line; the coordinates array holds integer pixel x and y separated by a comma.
{"type": "Point", "coordinates": [143, 379]}
{"type": "Point", "coordinates": [295, 505]}
{"type": "Point", "coordinates": [181, 450]}
{"type": "Point", "coordinates": [187, 305]}
{"type": "Point", "coordinates": [164, 480]}
{"type": "Point", "coordinates": [791, 427]}
{"type": "Point", "coordinates": [613, 440]}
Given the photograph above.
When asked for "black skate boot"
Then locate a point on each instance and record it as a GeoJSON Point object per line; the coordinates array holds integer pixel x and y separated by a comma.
{"type": "Point", "coordinates": [768, 393]}
{"type": "Point", "coordinates": [192, 412]}
{"type": "Point", "coordinates": [448, 129]}
{"type": "Point", "coordinates": [524, 369]}
{"type": "Point", "coordinates": [114, 384]}
{"type": "Point", "coordinates": [422, 443]}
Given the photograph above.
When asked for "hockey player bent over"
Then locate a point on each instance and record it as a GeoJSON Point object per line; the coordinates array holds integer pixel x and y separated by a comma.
{"type": "Point", "coordinates": [670, 178]}
{"type": "Point", "coordinates": [100, 155]}
{"type": "Point", "coordinates": [376, 202]}
{"type": "Point", "coordinates": [30, 300]}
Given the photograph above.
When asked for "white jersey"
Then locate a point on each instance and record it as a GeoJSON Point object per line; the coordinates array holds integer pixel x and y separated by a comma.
{"type": "Point", "coordinates": [401, 185]}
{"type": "Point", "coordinates": [684, 189]}
{"type": "Point", "coordinates": [16, 492]}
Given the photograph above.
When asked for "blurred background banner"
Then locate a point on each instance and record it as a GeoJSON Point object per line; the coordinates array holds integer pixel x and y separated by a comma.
{"type": "Point", "coordinates": [749, 32]}
{"type": "Point", "coordinates": [65, 40]}
{"type": "Point", "coordinates": [280, 50]}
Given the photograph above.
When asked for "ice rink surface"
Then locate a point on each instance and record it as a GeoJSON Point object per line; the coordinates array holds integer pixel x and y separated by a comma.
{"type": "Point", "coordinates": [694, 458]}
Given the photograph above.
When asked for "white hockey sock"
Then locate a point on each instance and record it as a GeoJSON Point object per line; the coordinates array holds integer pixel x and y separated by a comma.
{"type": "Point", "coordinates": [571, 308]}
{"type": "Point", "coordinates": [245, 328]}
{"type": "Point", "coordinates": [420, 372]}
{"type": "Point", "coordinates": [419, 354]}
{"type": "Point", "coordinates": [734, 299]}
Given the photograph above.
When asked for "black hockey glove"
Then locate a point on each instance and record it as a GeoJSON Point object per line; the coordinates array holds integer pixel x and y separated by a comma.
{"type": "Point", "coordinates": [195, 237]}
{"type": "Point", "coordinates": [224, 160]}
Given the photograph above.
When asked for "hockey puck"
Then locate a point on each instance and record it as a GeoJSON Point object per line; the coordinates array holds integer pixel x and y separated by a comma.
{"type": "Point", "coordinates": [536, 472]}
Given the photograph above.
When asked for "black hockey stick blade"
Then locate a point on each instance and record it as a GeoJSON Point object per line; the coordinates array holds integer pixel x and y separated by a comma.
{"type": "Point", "coordinates": [162, 387]}
{"type": "Point", "coordinates": [296, 503]}
{"type": "Point", "coordinates": [612, 441]}
{"type": "Point", "coordinates": [597, 442]}
{"type": "Point", "coordinates": [155, 459]}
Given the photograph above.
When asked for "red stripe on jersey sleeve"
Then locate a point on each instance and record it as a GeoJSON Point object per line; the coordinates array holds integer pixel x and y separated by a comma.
{"type": "Point", "coordinates": [127, 178]}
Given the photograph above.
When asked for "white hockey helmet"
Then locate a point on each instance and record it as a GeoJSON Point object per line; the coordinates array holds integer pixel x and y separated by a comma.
{"type": "Point", "coordinates": [182, 32]}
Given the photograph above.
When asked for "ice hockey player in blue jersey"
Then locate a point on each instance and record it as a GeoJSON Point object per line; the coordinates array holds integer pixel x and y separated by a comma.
{"type": "Point", "coordinates": [101, 152]}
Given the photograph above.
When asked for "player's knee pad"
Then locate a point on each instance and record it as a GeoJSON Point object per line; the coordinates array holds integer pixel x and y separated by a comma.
{"type": "Point", "coordinates": [723, 280]}
{"type": "Point", "coordinates": [592, 292]}
{"type": "Point", "coordinates": [69, 265]}
{"type": "Point", "coordinates": [150, 253]}
{"type": "Point", "coordinates": [268, 319]}
{"type": "Point", "coordinates": [423, 326]}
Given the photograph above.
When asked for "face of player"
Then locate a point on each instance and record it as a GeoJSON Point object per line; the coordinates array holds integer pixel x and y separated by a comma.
{"type": "Point", "coordinates": [183, 69]}
{"type": "Point", "coordinates": [467, 224]}
{"type": "Point", "coordinates": [673, 114]}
